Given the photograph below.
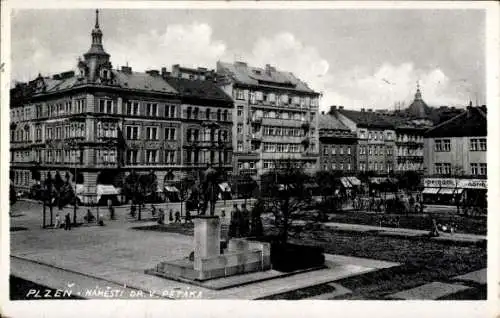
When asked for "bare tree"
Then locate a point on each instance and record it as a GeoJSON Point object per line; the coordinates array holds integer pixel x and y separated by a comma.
{"type": "Point", "coordinates": [286, 195]}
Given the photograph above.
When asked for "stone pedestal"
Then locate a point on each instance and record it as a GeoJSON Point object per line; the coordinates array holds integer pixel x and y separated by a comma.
{"type": "Point", "coordinates": [206, 239]}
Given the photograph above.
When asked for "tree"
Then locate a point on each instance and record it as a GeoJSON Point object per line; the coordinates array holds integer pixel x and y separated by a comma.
{"type": "Point", "coordinates": [287, 195]}
{"type": "Point", "coordinates": [185, 187]}
{"type": "Point", "coordinates": [246, 186]}
{"type": "Point", "coordinates": [131, 189]}
{"type": "Point", "coordinates": [12, 193]}
{"type": "Point", "coordinates": [48, 195]}
{"type": "Point", "coordinates": [409, 180]}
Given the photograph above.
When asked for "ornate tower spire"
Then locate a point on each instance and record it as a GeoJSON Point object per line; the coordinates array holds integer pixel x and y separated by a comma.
{"type": "Point", "coordinates": [418, 94]}
{"type": "Point", "coordinates": [96, 58]}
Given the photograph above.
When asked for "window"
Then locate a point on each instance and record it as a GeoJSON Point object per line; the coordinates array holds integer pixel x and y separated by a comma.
{"type": "Point", "coordinates": [240, 94]}
{"type": "Point", "coordinates": [389, 136]}
{"type": "Point", "coordinates": [151, 156]}
{"type": "Point", "coordinates": [341, 151]}
{"type": "Point", "coordinates": [152, 109]}
{"type": "Point", "coordinates": [348, 150]}
{"type": "Point", "coordinates": [239, 146]}
{"type": "Point", "coordinates": [334, 149]}
{"type": "Point", "coordinates": [325, 150]}
{"type": "Point", "coordinates": [369, 135]}
{"type": "Point", "coordinates": [240, 111]}
{"type": "Point", "coordinates": [348, 166]}
{"type": "Point", "coordinates": [196, 111]}
{"type": "Point", "coordinates": [341, 166]}
{"type": "Point", "coordinates": [370, 150]}
{"type": "Point", "coordinates": [170, 133]}
{"type": "Point", "coordinates": [442, 145]}
{"type": "Point", "coordinates": [132, 156]}
{"type": "Point", "coordinates": [252, 97]}
{"type": "Point", "coordinates": [334, 166]}
{"type": "Point", "coordinates": [225, 117]}
{"type": "Point", "coordinates": [152, 133]}
{"type": "Point", "coordinates": [132, 108]}
{"type": "Point", "coordinates": [239, 128]}
{"type": "Point", "coordinates": [132, 132]}
{"type": "Point", "coordinates": [106, 106]}
{"type": "Point", "coordinates": [188, 113]}
{"type": "Point", "coordinates": [474, 169]}
{"type": "Point", "coordinates": [482, 144]}
{"type": "Point", "coordinates": [207, 113]}
{"type": "Point", "coordinates": [483, 169]}
{"type": "Point", "coordinates": [172, 111]}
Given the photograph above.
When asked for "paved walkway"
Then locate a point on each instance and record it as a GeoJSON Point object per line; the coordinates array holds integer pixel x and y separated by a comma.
{"type": "Point", "coordinates": [462, 237]}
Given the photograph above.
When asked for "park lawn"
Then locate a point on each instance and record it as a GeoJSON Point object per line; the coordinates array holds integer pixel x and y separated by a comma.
{"type": "Point", "coordinates": [422, 261]}
{"type": "Point", "coordinates": [413, 221]}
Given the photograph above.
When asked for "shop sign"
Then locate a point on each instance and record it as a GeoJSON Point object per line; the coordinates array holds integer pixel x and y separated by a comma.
{"type": "Point", "coordinates": [440, 183]}
{"type": "Point", "coordinates": [473, 184]}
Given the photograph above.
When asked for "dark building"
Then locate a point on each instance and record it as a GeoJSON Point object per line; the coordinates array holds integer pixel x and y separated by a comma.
{"type": "Point", "coordinates": [102, 123]}
{"type": "Point", "coordinates": [337, 145]}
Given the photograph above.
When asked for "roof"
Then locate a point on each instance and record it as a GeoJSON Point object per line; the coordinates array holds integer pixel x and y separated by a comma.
{"type": "Point", "coordinates": [202, 89]}
{"type": "Point", "coordinates": [330, 122]}
{"type": "Point", "coordinates": [471, 122]}
{"type": "Point", "coordinates": [367, 119]}
{"type": "Point", "coordinates": [255, 76]}
{"type": "Point", "coordinates": [135, 80]}
{"type": "Point", "coordinates": [142, 81]}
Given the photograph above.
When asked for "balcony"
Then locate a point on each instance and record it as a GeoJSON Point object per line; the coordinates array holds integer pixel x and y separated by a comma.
{"type": "Point", "coordinates": [257, 120]}
{"type": "Point", "coordinates": [257, 137]}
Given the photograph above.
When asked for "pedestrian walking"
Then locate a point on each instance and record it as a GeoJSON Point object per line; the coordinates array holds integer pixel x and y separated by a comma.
{"type": "Point", "coordinates": [57, 224]}
{"type": "Point", "coordinates": [67, 222]}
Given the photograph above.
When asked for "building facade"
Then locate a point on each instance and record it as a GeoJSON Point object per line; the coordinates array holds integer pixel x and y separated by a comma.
{"type": "Point", "coordinates": [275, 118]}
{"type": "Point", "coordinates": [458, 146]}
{"type": "Point", "coordinates": [376, 139]}
{"type": "Point", "coordinates": [338, 145]}
{"type": "Point", "coordinates": [98, 124]}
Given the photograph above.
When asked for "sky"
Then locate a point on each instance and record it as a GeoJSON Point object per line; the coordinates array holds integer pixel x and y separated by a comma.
{"type": "Point", "coordinates": [364, 58]}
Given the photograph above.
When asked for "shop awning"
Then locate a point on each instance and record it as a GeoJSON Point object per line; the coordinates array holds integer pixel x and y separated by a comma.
{"type": "Point", "coordinates": [171, 189]}
{"type": "Point", "coordinates": [354, 181]}
{"type": "Point", "coordinates": [430, 191]}
{"type": "Point", "coordinates": [106, 189]}
{"type": "Point", "coordinates": [224, 186]}
{"type": "Point", "coordinates": [446, 191]}
{"type": "Point", "coordinates": [159, 189]}
{"type": "Point", "coordinates": [459, 191]}
{"type": "Point", "coordinates": [345, 182]}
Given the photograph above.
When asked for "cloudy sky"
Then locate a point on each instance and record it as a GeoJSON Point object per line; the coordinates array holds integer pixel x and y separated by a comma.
{"type": "Point", "coordinates": [357, 58]}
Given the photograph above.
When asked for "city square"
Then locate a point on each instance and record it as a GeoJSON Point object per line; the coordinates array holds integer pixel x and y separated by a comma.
{"type": "Point", "coordinates": [241, 181]}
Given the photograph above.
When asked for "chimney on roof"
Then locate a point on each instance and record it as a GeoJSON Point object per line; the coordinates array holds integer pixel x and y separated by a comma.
{"type": "Point", "coordinates": [153, 72]}
{"type": "Point", "coordinates": [341, 107]}
{"type": "Point", "coordinates": [370, 110]}
{"type": "Point", "coordinates": [127, 69]}
{"type": "Point", "coordinates": [56, 77]}
{"type": "Point", "coordinates": [363, 110]}
{"type": "Point", "coordinates": [333, 109]}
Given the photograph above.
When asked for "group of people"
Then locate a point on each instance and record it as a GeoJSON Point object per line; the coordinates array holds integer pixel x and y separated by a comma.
{"type": "Point", "coordinates": [244, 223]}
{"type": "Point", "coordinates": [67, 222]}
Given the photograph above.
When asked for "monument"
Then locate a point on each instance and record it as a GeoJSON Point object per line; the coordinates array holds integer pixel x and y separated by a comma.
{"type": "Point", "coordinates": [210, 260]}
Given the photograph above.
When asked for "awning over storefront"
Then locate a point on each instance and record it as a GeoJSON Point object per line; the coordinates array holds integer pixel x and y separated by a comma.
{"type": "Point", "coordinates": [106, 189]}
{"type": "Point", "coordinates": [345, 182]}
{"type": "Point", "coordinates": [171, 189]}
{"type": "Point", "coordinates": [354, 181]}
{"type": "Point", "coordinates": [459, 191]}
{"type": "Point", "coordinates": [430, 191]}
{"type": "Point", "coordinates": [224, 186]}
{"type": "Point", "coordinates": [446, 191]}
{"type": "Point", "coordinates": [159, 189]}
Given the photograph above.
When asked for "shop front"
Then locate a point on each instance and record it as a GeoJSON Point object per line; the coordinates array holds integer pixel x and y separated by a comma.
{"type": "Point", "coordinates": [453, 191]}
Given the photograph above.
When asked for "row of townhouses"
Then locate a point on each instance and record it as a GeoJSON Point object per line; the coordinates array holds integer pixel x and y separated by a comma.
{"type": "Point", "coordinates": [98, 124]}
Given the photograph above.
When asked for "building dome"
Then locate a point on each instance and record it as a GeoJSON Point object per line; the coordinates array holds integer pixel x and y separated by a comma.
{"type": "Point", "coordinates": [418, 108]}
